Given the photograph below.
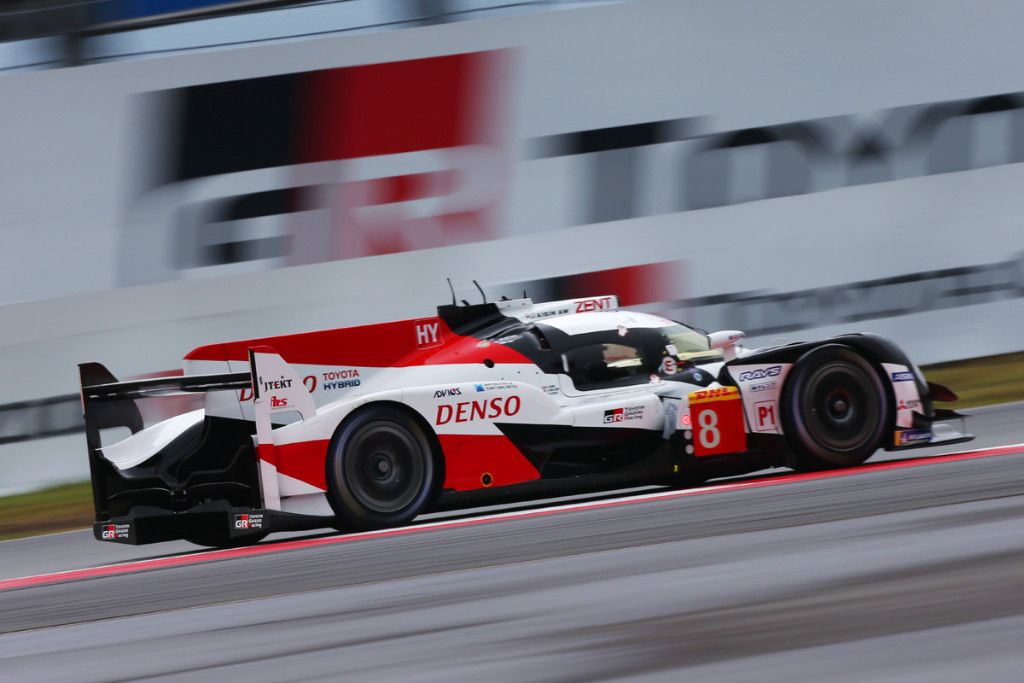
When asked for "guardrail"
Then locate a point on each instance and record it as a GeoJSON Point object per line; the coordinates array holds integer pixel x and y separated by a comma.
{"type": "Point", "coordinates": [40, 419]}
{"type": "Point", "coordinates": [43, 33]}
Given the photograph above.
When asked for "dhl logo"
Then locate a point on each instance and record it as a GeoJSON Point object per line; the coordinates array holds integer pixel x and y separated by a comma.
{"type": "Point", "coordinates": [718, 394]}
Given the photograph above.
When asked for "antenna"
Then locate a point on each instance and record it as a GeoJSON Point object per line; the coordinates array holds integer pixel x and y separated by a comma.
{"type": "Point", "coordinates": [481, 289]}
{"type": "Point", "coordinates": [452, 289]}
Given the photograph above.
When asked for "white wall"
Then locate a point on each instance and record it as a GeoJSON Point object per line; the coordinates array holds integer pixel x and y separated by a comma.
{"type": "Point", "coordinates": [78, 144]}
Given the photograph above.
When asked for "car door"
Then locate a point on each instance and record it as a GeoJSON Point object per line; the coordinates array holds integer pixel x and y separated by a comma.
{"type": "Point", "coordinates": [618, 419]}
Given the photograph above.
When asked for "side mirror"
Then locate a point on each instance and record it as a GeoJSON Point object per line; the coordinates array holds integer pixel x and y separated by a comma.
{"type": "Point", "coordinates": [726, 340]}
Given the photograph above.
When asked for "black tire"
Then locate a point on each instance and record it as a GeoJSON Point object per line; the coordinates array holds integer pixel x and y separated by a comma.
{"type": "Point", "coordinates": [380, 469]}
{"type": "Point", "coordinates": [835, 409]}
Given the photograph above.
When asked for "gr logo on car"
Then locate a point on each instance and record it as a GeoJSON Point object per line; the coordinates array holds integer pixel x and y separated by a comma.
{"type": "Point", "coordinates": [761, 373]}
{"type": "Point", "coordinates": [470, 411]}
{"type": "Point", "coordinates": [623, 414]}
{"type": "Point", "coordinates": [613, 415]}
{"type": "Point", "coordinates": [111, 532]}
{"type": "Point", "coordinates": [249, 521]}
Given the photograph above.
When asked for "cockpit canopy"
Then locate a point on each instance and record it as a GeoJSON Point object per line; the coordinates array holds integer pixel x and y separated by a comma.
{"type": "Point", "coordinates": [605, 349]}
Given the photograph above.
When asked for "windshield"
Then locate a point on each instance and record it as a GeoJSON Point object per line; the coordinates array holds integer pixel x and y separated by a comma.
{"type": "Point", "coordinates": [687, 345]}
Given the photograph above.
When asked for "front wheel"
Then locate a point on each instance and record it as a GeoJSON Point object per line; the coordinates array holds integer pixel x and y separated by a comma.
{"type": "Point", "coordinates": [835, 409]}
{"type": "Point", "coordinates": [380, 469]}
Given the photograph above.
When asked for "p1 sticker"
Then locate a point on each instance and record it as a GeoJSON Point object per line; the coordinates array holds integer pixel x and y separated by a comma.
{"type": "Point", "coordinates": [765, 413]}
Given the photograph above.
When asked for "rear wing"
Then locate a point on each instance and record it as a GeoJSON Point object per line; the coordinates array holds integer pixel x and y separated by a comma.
{"type": "Point", "coordinates": [161, 386]}
{"type": "Point", "coordinates": [108, 403]}
{"type": "Point", "coordinates": [183, 471]}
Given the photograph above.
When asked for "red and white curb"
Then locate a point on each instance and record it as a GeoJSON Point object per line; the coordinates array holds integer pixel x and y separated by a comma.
{"type": "Point", "coordinates": [202, 557]}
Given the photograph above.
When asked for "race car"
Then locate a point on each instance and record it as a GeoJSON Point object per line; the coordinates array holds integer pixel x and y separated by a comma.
{"type": "Point", "coordinates": [366, 427]}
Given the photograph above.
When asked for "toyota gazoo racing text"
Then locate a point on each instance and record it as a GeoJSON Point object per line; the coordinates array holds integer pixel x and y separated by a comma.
{"type": "Point", "coordinates": [365, 427]}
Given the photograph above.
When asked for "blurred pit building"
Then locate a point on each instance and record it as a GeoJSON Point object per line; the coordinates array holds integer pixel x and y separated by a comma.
{"type": "Point", "coordinates": [177, 172]}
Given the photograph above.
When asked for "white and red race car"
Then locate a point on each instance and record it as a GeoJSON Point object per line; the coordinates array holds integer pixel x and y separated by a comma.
{"type": "Point", "coordinates": [366, 427]}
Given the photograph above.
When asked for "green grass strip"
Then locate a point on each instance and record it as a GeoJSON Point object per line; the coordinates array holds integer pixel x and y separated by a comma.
{"type": "Point", "coordinates": [981, 381]}
{"type": "Point", "coordinates": [59, 508]}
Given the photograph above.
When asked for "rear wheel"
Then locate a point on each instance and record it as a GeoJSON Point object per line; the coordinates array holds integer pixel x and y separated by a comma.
{"type": "Point", "coordinates": [835, 409]}
{"type": "Point", "coordinates": [380, 469]}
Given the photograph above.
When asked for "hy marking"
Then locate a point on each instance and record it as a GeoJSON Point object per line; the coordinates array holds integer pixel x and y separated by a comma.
{"type": "Point", "coordinates": [215, 555]}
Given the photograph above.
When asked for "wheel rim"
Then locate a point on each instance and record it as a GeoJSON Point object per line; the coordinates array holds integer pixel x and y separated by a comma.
{"type": "Point", "coordinates": [842, 409]}
{"type": "Point", "coordinates": [384, 467]}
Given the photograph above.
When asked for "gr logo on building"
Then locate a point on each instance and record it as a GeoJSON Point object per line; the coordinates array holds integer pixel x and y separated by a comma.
{"type": "Point", "coordinates": [317, 166]}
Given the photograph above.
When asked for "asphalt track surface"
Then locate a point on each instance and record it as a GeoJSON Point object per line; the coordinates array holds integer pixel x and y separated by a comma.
{"type": "Point", "coordinates": [893, 573]}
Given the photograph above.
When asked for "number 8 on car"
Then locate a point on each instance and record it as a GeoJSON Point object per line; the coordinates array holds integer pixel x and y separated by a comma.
{"type": "Point", "coordinates": [717, 418]}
